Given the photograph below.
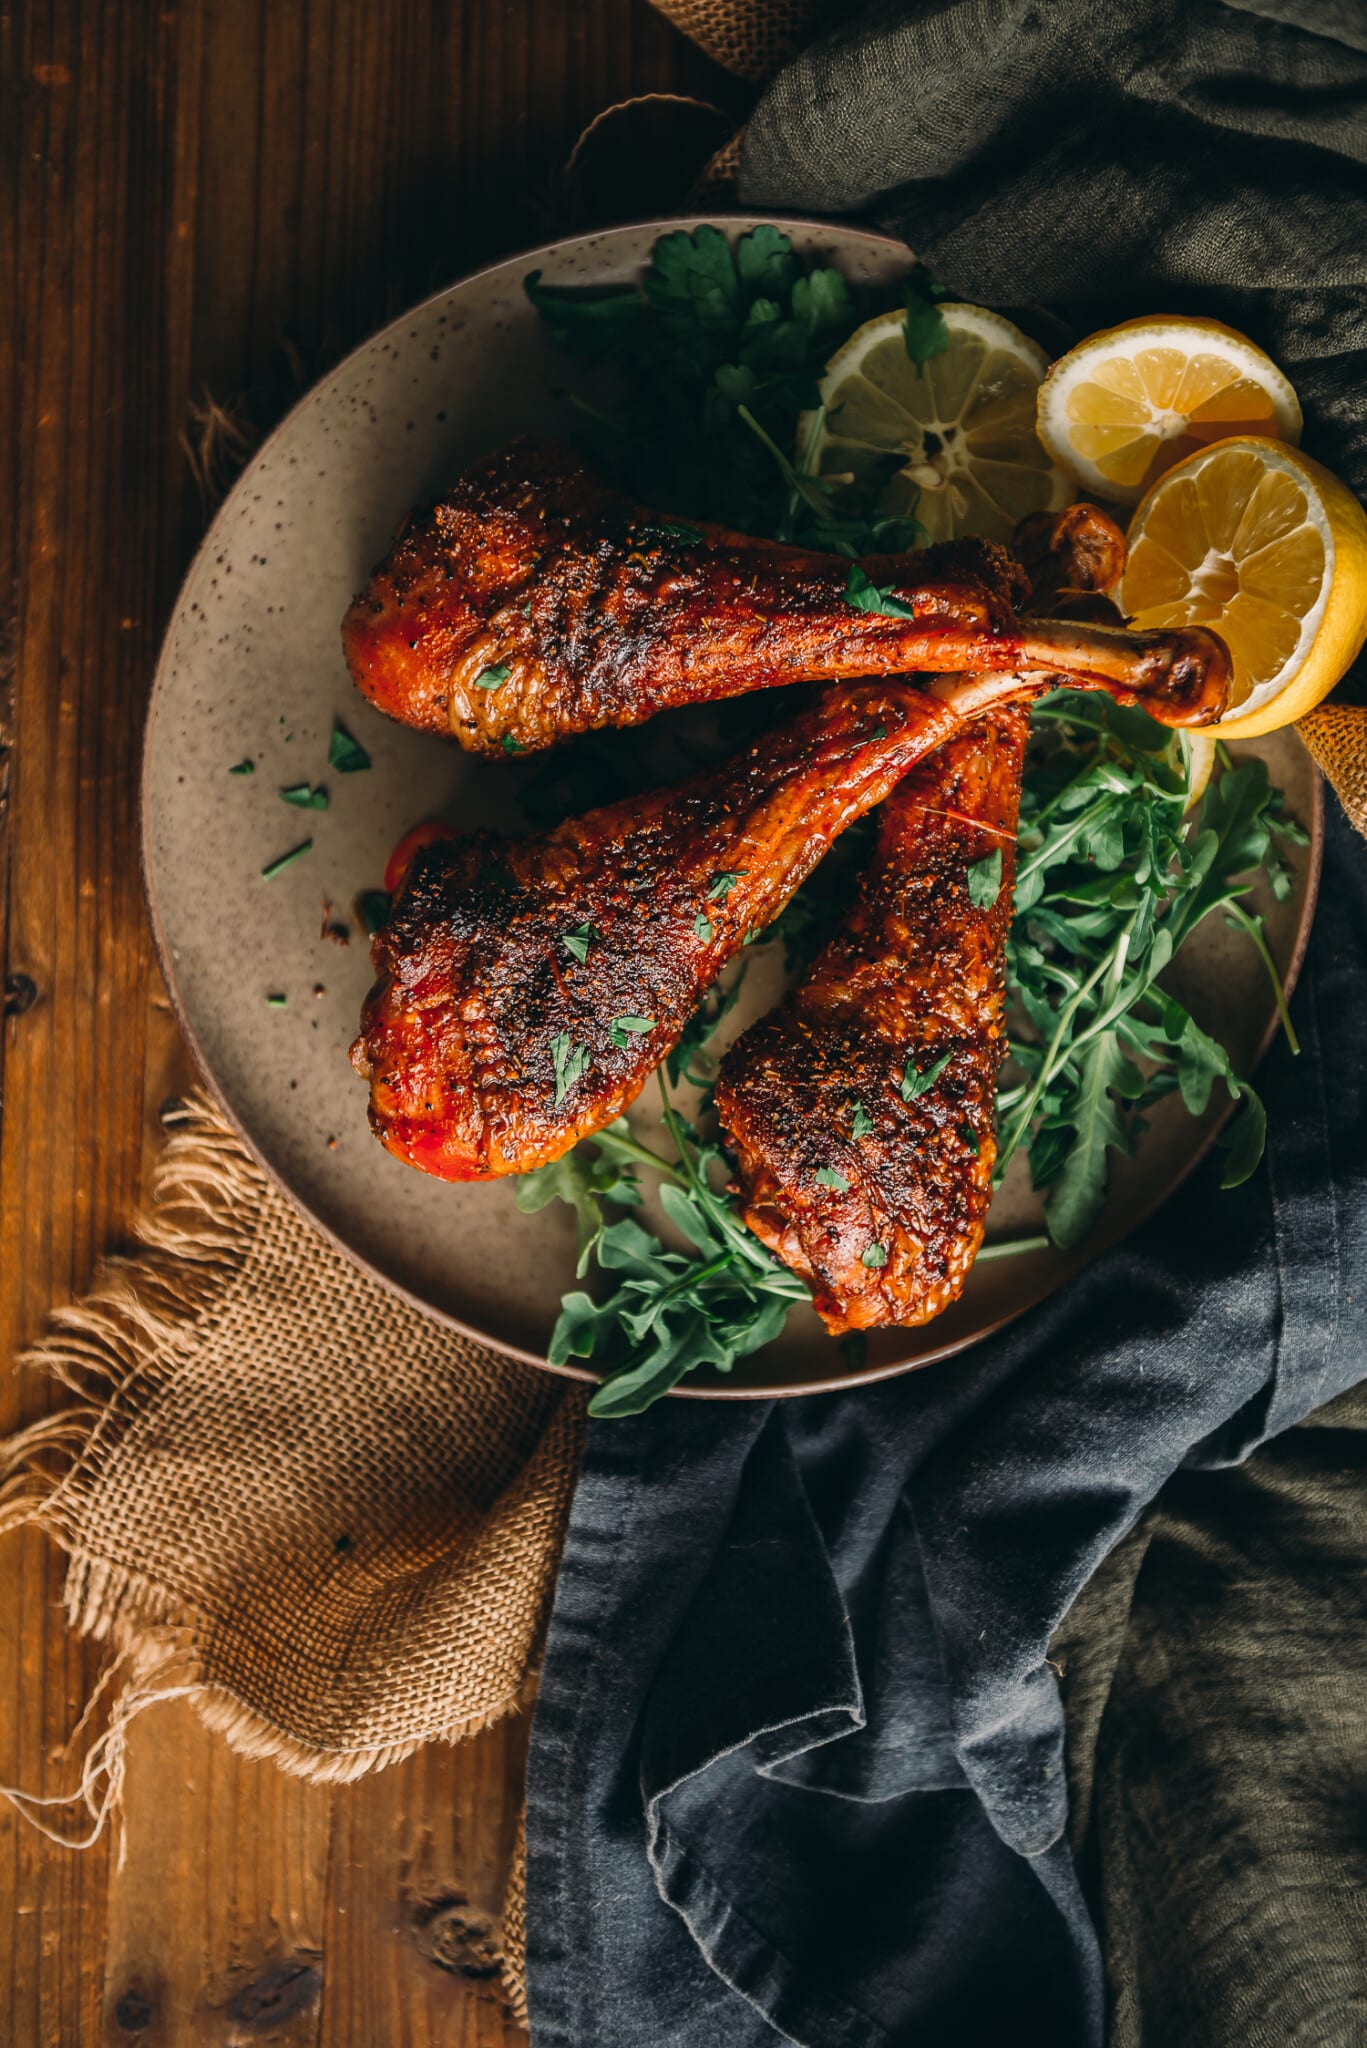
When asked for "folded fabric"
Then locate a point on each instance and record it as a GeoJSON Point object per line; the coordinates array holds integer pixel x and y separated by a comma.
{"type": "Point", "coordinates": [798, 1767]}
{"type": "Point", "coordinates": [798, 1758]}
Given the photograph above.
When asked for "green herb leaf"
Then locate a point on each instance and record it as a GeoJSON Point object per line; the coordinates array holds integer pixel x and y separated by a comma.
{"type": "Point", "coordinates": [511, 745]}
{"type": "Point", "coordinates": [874, 1255]}
{"type": "Point", "coordinates": [828, 1177]}
{"type": "Point", "coordinates": [915, 1083]}
{"type": "Point", "coordinates": [277, 1002]}
{"type": "Point", "coordinates": [865, 596]}
{"type": "Point", "coordinates": [702, 929]}
{"type": "Point", "coordinates": [692, 536]}
{"type": "Point", "coordinates": [586, 1180]}
{"type": "Point", "coordinates": [721, 885]}
{"type": "Point", "coordinates": [243, 768]}
{"type": "Point", "coordinates": [304, 798]}
{"type": "Point", "coordinates": [970, 1138]}
{"type": "Point", "coordinates": [579, 940]}
{"type": "Point", "coordinates": [637, 1026]}
{"type": "Point", "coordinates": [345, 754]}
{"type": "Point", "coordinates": [924, 329]}
{"type": "Point", "coordinates": [1243, 1140]}
{"type": "Point", "coordinates": [587, 325]}
{"type": "Point", "coordinates": [372, 908]}
{"type": "Point", "coordinates": [286, 860]}
{"type": "Point", "coordinates": [985, 880]}
{"type": "Point", "coordinates": [490, 678]}
{"type": "Point", "coordinates": [863, 1122]}
{"type": "Point", "coordinates": [571, 1062]}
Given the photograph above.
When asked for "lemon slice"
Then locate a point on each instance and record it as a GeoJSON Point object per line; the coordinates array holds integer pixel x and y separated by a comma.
{"type": "Point", "coordinates": [1135, 400]}
{"type": "Point", "coordinates": [1253, 538]}
{"type": "Point", "coordinates": [950, 442]}
{"type": "Point", "coordinates": [1198, 751]}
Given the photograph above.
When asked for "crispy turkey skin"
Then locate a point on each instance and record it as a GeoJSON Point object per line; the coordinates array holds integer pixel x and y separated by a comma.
{"type": "Point", "coordinates": [536, 602]}
{"type": "Point", "coordinates": [862, 1110]}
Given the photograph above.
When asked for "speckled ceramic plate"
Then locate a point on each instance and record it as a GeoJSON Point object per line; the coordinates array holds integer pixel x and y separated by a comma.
{"type": "Point", "coordinates": [252, 670]}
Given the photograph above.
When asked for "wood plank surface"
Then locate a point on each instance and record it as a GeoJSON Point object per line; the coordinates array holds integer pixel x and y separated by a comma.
{"type": "Point", "coordinates": [210, 196]}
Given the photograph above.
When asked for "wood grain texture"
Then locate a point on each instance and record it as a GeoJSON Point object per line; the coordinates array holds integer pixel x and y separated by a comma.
{"type": "Point", "coordinates": [210, 196]}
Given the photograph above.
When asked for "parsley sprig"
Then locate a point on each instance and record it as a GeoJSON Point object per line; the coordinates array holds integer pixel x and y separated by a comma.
{"type": "Point", "coordinates": [720, 352]}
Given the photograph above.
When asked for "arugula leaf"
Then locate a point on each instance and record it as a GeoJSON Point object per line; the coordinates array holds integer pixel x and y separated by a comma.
{"type": "Point", "coordinates": [304, 798]}
{"type": "Point", "coordinates": [874, 1255]}
{"type": "Point", "coordinates": [1079, 1188]}
{"type": "Point", "coordinates": [702, 929]}
{"type": "Point", "coordinates": [863, 1122]}
{"type": "Point", "coordinates": [668, 1313]}
{"type": "Point", "coordinates": [490, 678]}
{"type": "Point", "coordinates": [828, 1177]}
{"type": "Point", "coordinates": [1113, 879]}
{"type": "Point", "coordinates": [586, 1182]}
{"type": "Point", "coordinates": [243, 768]}
{"type": "Point", "coordinates": [985, 880]}
{"type": "Point", "coordinates": [579, 940]}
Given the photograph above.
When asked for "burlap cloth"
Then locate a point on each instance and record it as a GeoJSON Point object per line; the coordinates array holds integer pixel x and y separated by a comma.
{"type": "Point", "coordinates": [285, 1494]}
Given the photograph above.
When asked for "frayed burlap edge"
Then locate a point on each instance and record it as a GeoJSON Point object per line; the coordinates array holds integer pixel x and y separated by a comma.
{"type": "Point", "coordinates": [144, 1312]}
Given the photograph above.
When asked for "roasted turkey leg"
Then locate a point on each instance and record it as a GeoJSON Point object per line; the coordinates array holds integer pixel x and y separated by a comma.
{"type": "Point", "coordinates": [492, 1048]}
{"type": "Point", "coordinates": [862, 1110]}
{"type": "Point", "coordinates": [536, 602]}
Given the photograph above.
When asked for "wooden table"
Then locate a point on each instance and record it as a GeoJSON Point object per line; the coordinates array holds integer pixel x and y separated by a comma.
{"type": "Point", "coordinates": [210, 196]}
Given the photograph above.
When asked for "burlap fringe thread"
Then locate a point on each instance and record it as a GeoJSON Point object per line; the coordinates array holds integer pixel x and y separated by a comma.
{"type": "Point", "coordinates": [210, 1253]}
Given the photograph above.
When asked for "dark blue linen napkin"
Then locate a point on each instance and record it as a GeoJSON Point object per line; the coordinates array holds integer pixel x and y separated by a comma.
{"type": "Point", "coordinates": [797, 1763]}
{"type": "Point", "coordinates": [798, 1768]}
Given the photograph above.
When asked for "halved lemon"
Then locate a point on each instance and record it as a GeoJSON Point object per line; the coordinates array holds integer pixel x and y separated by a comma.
{"type": "Point", "coordinates": [951, 441]}
{"type": "Point", "coordinates": [1260, 542]}
{"type": "Point", "coordinates": [1135, 400]}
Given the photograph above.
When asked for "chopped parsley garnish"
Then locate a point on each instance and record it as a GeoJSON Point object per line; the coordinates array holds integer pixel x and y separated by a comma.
{"type": "Point", "coordinates": [372, 908]}
{"type": "Point", "coordinates": [490, 678]}
{"type": "Point", "coordinates": [880, 732]}
{"type": "Point", "coordinates": [286, 860]}
{"type": "Point", "coordinates": [636, 1026]}
{"type": "Point", "coordinates": [243, 768]}
{"type": "Point", "coordinates": [985, 880]}
{"type": "Point", "coordinates": [579, 940]}
{"type": "Point", "coordinates": [863, 1122]}
{"type": "Point", "coordinates": [874, 1255]}
{"type": "Point", "coordinates": [721, 885]}
{"type": "Point", "coordinates": [827, 1177]}
{"type": "Point", "coordinates": [304, 798]}
{"type": "Point", "coordinates": [512, 746]}
{"type": "Point", "coordinates": [863, 593]}
{"type": "Point", "coordinates": [970, 1138]}
{"type": "Point", "coordinates": [571, 1062]}
{"type": "Point", "coordinates": [345, 754]}
{"type": "Point", "coordinates": [702, 928]}
{"type": "Point", "coordinates": [277, 1002]}
{"type": "Point", "coordinates": [914, 1083]}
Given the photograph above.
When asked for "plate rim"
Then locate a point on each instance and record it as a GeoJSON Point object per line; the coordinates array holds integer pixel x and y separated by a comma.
{"type": "Point", "coordinates": [864, 1375]}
